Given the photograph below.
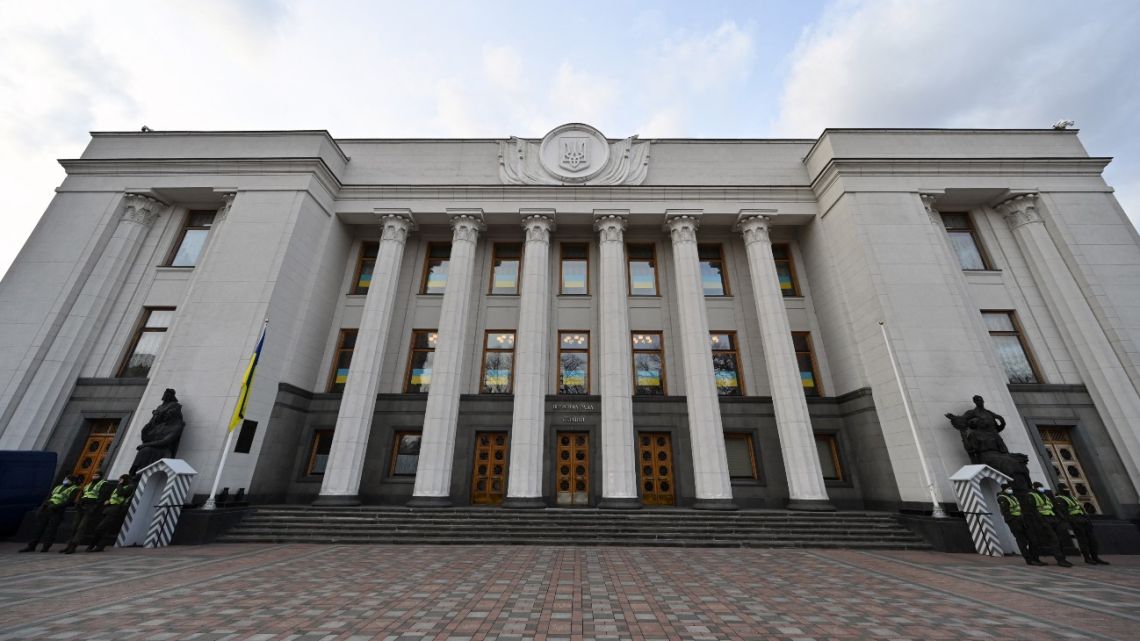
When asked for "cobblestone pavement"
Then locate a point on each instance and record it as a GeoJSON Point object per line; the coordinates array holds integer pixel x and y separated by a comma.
{"type": "Point", "coordinates": [401, 593]}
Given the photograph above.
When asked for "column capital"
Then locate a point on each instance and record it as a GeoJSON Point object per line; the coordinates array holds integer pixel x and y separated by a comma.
{"type": "Point", "coordinates": [141, 209]}
{"type": "Point", "coordinates": [466, 224]}
{"type": "Point", "coordinates": [682, 225]}
{"type": "Point", "coordinates": [931, 210]}
{"type": "Point", "coordinates": [1020, 210]}
{"type": "Point", "coordinates": [395, 225]}
{"type": "Point", "coordinates": [753, 224]}
{"type": "Point", "coordinates": [227, 204]}
{"type": "Point", "coordinates": [610, 224]}
{"type": "Point", "coordinates": [537, 224]}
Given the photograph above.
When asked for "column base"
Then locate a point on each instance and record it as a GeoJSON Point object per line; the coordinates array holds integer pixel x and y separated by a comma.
{"type": "Point", "coordinates": [810, 505]}
{"type": "Point", "coordinates": [619, 504]}
{"type": "Point", "coordinates": [715, 504]}
{"type": "Point", "coordinates": [523, 503]}
{"type": "Point", "coordinates": [429, 501]}
{"type": "Point", "coordinates": [336, 500]}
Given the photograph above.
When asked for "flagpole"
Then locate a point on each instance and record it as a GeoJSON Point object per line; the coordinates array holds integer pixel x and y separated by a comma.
{"type": "Point", "coordinates": [936, 507]}
{"type": "Point", "coordinates": [239, 412]}
{"type": "Point", "coordinates": [210, 503]}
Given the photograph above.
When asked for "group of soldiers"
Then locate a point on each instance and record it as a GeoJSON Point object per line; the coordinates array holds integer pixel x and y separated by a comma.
{"type": "Point", "coordinates": [1041, 521]}
{"type": "Point", "coordinates": [100, 507]}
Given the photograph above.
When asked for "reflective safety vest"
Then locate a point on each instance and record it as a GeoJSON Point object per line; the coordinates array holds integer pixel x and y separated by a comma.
{"type": "Point", "coordinates": [1044, 505]}
{"type": "Point", "coordinates": [93, 490]}
{"type": "Point", "coordinates": [1011, 502]}
{"type": "Point", "coordinates": [62, 494]}
{"type": "Point", "coordinates": [120, 495]}
{"type": "Point", "coordinates": [1075, 508]}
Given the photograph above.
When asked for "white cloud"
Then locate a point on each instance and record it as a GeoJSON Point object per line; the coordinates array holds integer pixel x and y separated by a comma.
{"type": "Point", "coordinates": [905, 63]}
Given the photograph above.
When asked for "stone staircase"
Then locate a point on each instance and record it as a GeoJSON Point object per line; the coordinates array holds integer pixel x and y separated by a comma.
{"type": "Point", "coordinates": [581, 527]}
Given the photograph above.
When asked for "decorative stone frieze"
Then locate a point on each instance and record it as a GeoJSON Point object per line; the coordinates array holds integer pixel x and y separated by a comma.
{"type": "Point", "coordinates": [573, 154]}
{"type": "Point", "coordinates": [140, 209]}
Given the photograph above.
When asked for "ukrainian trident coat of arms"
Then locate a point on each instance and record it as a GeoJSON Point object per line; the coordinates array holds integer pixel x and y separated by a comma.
{"type": "Point", "coordinates": [575, 153]}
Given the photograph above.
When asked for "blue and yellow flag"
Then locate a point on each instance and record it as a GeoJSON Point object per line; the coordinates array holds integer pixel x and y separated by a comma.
{"type": "Point", "coordinates": [247, 381]}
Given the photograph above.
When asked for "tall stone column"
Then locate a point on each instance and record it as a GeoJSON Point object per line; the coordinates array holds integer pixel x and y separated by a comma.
{"type": "Point", "coordinates": [619, 472]}
{"type": "Point", "coordinates": [806, 490]}
{"type": "Point", "coordinates": [1101, 370]}
{"type": "Point", "coordinates": [528, 426]}
{"type": "Point", "coordinates": [43, 400]}
{"type": "Point", "coordinates": [437, 448]}
{"type": "Point", "coordinates": [341, 484]}
{"type": "Point", "coordinates": [710, 463]}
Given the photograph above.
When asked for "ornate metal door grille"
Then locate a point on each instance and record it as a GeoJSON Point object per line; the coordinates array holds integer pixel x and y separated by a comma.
{"type": "Point", "coordinates": [1067, 466]}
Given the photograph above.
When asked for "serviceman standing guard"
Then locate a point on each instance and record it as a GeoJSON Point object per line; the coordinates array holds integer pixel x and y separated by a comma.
{"type": "Point", "coordinates": [1048, 532]}
{"type": "Point", "coordinates": [51, 513]}
{"type": "Point", "coordinates": [1074, 513]}
{"type": "Point", "coordinates": [114, 510]}
{"type": "Point", "coordinates": [1011, 512]}
{"type": "Point", "coordinates": [90, 508]}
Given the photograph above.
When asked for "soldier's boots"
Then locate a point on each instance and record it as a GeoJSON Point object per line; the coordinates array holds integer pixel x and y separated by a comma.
{"type": "Point", "coordinates": [70, 549]}
{"type": "Point", "coordinates": [1037, 562]}
{"type": "Point", "coordinates": [31, 547]}
{"type": "Point", "coordinates": [1065, 564]}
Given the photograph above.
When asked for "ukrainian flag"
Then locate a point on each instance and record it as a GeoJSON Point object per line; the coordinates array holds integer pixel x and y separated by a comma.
{"type": "Point", "coordinates": [247, 381]}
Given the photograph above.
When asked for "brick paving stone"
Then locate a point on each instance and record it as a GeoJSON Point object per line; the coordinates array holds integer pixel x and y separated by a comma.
{"type": "Point", "coordinates": [406, 593]}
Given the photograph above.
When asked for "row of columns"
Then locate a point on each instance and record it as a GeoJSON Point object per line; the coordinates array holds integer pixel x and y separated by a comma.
{"type": "Point", "coordinates": [619, 470]}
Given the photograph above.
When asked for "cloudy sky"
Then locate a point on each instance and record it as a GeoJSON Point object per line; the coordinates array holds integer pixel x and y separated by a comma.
{"type": "Point", "coordinates": [495, 69]}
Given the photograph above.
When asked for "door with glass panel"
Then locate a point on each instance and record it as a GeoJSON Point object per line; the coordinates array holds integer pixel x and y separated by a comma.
{"type": "Point", "coordinates": [100, 435]}
{"type": "Point", "coordinates": [655, 458]}
{"type": "Point", "coordinates": [489, 478]}
{"type": "Point", "coordinates": [572, 470]}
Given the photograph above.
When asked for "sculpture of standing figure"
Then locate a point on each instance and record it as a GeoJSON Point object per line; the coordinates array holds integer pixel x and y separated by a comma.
{"type": "Point", "coordinates": [161, 434]}
{"type": "Point", "coordinates": [980, 429]}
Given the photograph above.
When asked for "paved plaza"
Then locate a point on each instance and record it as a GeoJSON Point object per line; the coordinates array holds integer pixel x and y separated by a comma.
{"type": "Point", "coordinates": [358, 593]}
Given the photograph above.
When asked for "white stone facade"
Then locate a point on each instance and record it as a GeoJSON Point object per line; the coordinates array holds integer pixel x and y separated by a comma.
{"type": "Point", "coordinates": [858, 212]}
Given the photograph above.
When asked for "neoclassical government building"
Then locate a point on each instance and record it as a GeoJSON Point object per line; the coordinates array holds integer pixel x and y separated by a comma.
{"type": "Point", "coordinates": [580, 320]}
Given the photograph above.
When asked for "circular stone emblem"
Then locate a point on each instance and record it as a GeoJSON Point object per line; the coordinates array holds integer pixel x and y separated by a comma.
{"type": "Point", "coordinates": [574, 152]}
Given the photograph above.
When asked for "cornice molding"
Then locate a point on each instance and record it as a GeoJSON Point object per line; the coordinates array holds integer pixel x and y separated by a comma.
{"type": "Point", "coordinates": [864, 167]}
{"type": "Point", "coordinates": [315, 166]}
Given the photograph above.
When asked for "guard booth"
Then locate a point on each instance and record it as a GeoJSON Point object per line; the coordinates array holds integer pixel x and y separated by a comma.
{"type": "Point", "coordinates": [157, 503]}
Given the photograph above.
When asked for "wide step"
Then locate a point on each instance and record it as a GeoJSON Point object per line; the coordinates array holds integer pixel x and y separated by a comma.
{"type": "Point", "coordinates": [489, 526]}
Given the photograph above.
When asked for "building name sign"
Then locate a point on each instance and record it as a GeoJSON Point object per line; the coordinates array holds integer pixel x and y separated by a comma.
{"type": "Point", "coordinates": [574, 407]}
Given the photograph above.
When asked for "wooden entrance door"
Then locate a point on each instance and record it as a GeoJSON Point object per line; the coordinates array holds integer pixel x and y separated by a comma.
{"type": "Point", "coordinates": [1067, 466]}
{"type": "Point", "coordinates": [489, 479]}
{"type": "Point", "coordinates": [572, 470]}
{"type": "Point", "coordinates": [655, 454]}
{"type": "Point", "coordinates": [100, 433]}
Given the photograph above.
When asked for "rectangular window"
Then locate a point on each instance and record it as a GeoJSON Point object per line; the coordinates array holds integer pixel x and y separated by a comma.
{"type": "Point", "coordinates": [506, 259]}
{"type": "Point", "coordinates": [192, 239]}
{"type": "Point", "coordinates": [146, 342]}
{"type": "Point", "coordinates": [827, 445]}
{"type": "Point", "coordinates": [1010, 347]}
{"type": "Point", "coordinates": [648, 364]}
{"type": "Point", "coordinates": [964, 241]}
{"type": "Point", "coordinates": [498, 362]}
{"type": "Point", "coordinates": [714, 280]}
{"type": "Point", "coordinates": [642, 270]}
{"type": "Point", "coordinates": [364, 266]}
{"type": "Point", "coordinates": [405, 454]}
{"type": "Point", "coordinates": [343, 358]}
{"type": "Point", "coordinates": [319, 453]}
{"type": "Point", "coordinates": [725, 359]}
{"type": "Point", "coordinates": [575, 269]}
{"type": "Point", "coordinates": [435, 268]}
{"type": "Point", "coordinates": [573, 362]}
{"type": "Point", "coordinates": [741, 456]}
{"type": "Point", "coordinates": [806, 360]}
{"type": "Point", "coordinates": [785, 270]}
{"type": "Point", "coordinates": [418, 380]}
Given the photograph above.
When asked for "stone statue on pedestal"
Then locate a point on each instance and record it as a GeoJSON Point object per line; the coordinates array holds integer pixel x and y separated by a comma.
{"type": "Point", "coordinates": [161, 434]}
{"type": "Point", "coordinates": [981, 436]}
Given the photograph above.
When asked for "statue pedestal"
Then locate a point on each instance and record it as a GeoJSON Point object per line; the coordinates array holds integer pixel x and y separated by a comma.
{"type": "Point", "coordinates": [163, 487]}
{"type": "Point", "coordinates": [977, 487]}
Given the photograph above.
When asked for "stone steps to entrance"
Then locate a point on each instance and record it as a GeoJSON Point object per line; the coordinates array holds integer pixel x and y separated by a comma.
{"type": "Point", "coordinates": [579, 527]}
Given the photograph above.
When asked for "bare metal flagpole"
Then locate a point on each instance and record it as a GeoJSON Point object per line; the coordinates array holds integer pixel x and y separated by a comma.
{"type": "Point", "coordinates": [210, 503]}
{"type": "Point", "coordinates": [936, 508]}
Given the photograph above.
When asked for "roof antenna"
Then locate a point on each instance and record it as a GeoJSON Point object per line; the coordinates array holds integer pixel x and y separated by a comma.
{"type": "Point", "coordinates": [1063, 124]}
